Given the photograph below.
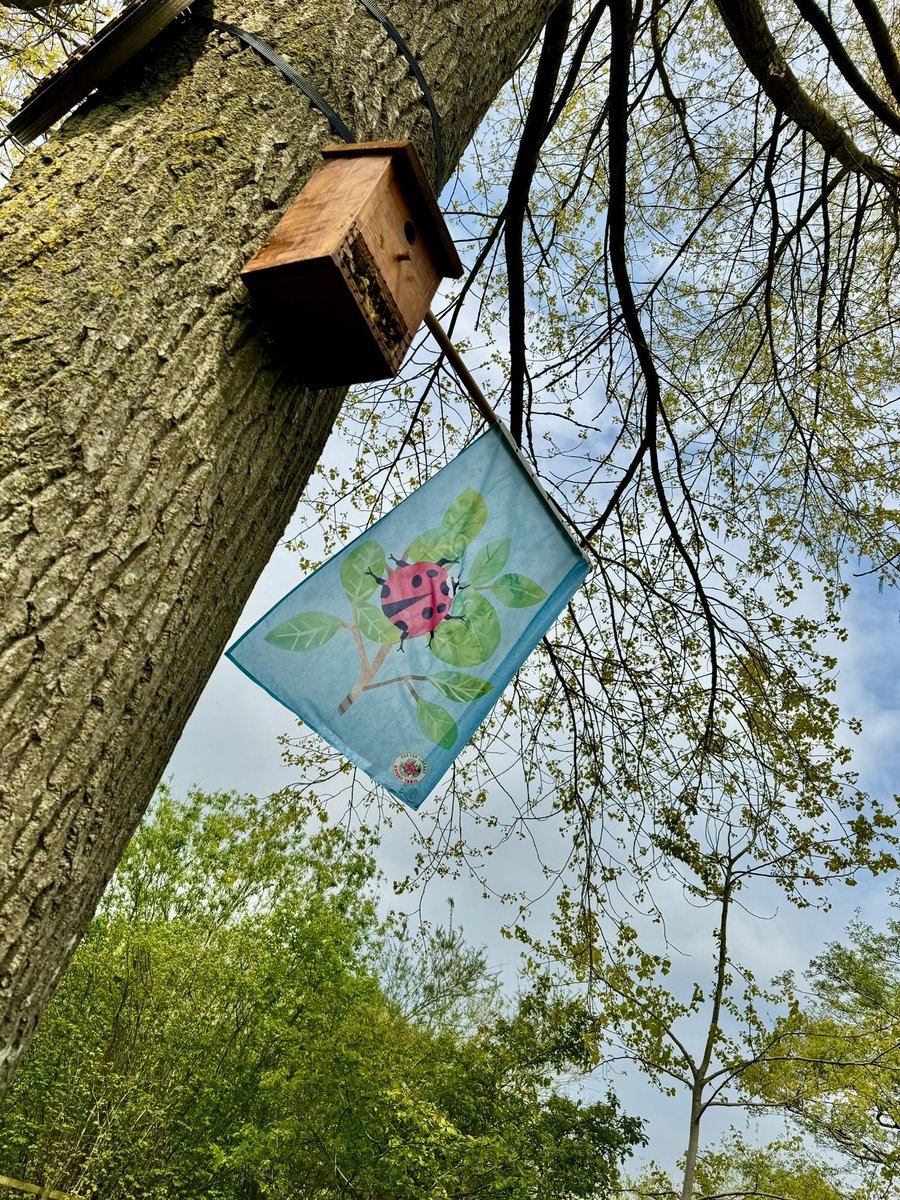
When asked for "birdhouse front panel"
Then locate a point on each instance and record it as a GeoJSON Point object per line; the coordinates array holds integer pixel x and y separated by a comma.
{"type": "Point", "coordinates": [392, 234]}
{"type": "Point", "coordinates": [350, 270]}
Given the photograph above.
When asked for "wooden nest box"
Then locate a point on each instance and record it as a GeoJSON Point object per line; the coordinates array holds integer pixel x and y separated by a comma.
{"type": "Point", "coordinates": [349, 271]}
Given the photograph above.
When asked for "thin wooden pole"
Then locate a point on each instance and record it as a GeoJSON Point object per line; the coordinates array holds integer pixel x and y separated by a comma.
{"type": "Point", "coordinates": [476, 395]}
{"type": "Point", "coordinates": [480, 401]}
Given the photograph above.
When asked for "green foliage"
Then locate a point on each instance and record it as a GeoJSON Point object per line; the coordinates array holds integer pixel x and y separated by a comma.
{"type": "Point", "coordinates": [739, 1170]}
{"type": "Point", "coordinates": [239, 1024]}
{"type": "Point", "coordinates": [436, 723]}
{"type": "Point", "coordinates": [456, 685]}
{"type": "Point", "coordinates": [518, 591]}
{"type": "Point", "coordinates": [488, 562]}
{"type": "Point", "coordinates": [466, 516]}
{"type": "Point", "coordinates": [472, 640]}
{"type": "Point", "coordinates": [374, 625]}
{"type": "Point", "coordinates": [359, 570]}
{"type": "Point", "coordinates": [435, 544]}
{"type": "Point", "coordinates": [833, 1060]}
{"type": "Point", "coordinates": [463, 520]}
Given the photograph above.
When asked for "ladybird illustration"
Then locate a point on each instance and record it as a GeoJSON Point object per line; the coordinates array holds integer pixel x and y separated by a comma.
{"type": "Point", "coordinates": [416, 597]}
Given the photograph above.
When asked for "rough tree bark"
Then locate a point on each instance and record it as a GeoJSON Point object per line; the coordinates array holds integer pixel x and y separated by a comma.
{"type": "Point", "coordinates": [153, 442]}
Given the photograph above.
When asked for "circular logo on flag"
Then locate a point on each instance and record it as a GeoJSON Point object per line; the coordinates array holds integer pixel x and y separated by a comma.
{"type": "Point", "coordinates": [410, 768]}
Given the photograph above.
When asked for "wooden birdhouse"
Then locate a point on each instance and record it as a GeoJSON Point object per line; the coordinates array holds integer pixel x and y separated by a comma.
{"type": "Point", "coordinates": [349, 271]}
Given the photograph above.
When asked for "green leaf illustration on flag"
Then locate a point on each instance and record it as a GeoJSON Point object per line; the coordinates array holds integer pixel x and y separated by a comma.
{"type": "Point", "coordinates": [467, 573]}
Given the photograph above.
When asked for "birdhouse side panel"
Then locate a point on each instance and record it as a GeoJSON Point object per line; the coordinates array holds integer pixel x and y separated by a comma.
{"type": "Point", "coordinates": [366, 282]}
{"type": "Point", "coordinates": [319, 316]}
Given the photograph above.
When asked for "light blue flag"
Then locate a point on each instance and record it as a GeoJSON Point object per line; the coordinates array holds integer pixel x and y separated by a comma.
{"type": "Point", "coordinates": [396, 649]}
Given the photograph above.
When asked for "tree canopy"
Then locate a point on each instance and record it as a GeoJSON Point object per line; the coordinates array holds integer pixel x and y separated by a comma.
{"type": "Point", "coordinates": [682, 290]}
{"type": "Point", "coordinates": [239, 1022]}
{"type": "Point", "coordinates": [833, 1061]}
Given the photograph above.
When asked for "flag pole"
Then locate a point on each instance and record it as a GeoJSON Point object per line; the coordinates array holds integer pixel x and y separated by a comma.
{"type": "Point", "coordinates": [476, 395]}
{"type": "Point", "coordinates": [480, 401]}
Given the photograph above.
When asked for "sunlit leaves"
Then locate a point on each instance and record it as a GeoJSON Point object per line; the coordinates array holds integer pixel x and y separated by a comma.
{"type": "Point", "coordinates": [241, 1019]}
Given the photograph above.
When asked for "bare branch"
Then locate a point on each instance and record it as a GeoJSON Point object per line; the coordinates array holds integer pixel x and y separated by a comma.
{"type": "Point", "coordinates": [748, 29]}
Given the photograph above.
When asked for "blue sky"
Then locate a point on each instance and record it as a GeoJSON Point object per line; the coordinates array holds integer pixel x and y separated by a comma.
{"type": "Point", "coordinates": [231, 742]}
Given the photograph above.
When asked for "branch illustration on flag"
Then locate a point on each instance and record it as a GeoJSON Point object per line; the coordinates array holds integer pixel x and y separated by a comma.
{"type": "Point", "coordinates": [469, 571]}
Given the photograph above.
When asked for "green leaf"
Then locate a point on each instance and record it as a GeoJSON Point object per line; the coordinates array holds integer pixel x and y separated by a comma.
{"type": "Point", "coordinates": [472, 640]}
{"type": "Point", "coordinates": [355, 578]}
{"type": "Point", "coordinates": [434, 545]}
{"type": "Point", "coordinates": [437, 724]}
{"type": "Point", "coordinates": [462, 688]}
{"type": "Point", "coordinates": [466, 515]}
{"type": "Point", "coordinates": [489, 562]}
{"type": "Point", "coordinates": [518, 591]}
{"type": "Point", "coordinates": [374, 625]}
{"type": "Point", "coordinates": [305, 631]}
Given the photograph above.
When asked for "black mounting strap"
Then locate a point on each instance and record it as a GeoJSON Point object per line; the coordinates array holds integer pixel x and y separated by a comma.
{"type": "Point", "coordinates": [416, 71]}
{"type": "Point", "coordinates": [315, 97]}
{"type": "Point", "coordinates": [271, 55]}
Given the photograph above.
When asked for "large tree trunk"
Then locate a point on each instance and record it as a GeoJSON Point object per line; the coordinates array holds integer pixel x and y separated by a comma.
{"type": "Point", "coordinates": [153, 441]}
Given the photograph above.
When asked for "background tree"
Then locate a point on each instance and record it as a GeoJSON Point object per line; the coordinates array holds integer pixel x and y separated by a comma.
{"type": "Point", "coordinates": [737, 1170]}
{"type": "Point", "coordinates": [700, 1034]}
{"type": "Point", "coordinates": [229, 1028]}
{"type": "Point", "coordinates": [834, 1062]}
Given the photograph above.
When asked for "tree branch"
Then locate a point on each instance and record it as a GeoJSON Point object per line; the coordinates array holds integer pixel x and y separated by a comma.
{"type": "Point", "coordinates": [533, 136]}
{"type": "Point", "coordinates": [814, 16]}
{"type": "Point", "coordinates": [882, 43]}
{"type": "Point", "coordinates": [753, 40]}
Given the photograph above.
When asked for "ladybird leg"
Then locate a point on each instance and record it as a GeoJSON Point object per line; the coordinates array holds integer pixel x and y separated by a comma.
{"type": "Point", "coordinates": [401, 562]}
{"type": "Point", "coordinates": [450, 617]}
{"type": "Point", "coordinates": [446, 562]}
{"type": "Point", "coordinates": [404, 632]}
{"type": "Point", "coordinates": [458, 585]}
{"type": "Point", "coordinates": [369, 571]}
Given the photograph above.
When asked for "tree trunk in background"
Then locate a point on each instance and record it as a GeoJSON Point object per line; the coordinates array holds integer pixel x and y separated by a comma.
{"type": "Point", "coordinates": [153, 441]}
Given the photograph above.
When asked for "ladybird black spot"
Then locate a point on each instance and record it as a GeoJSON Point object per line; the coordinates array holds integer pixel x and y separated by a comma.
{"type": "Point", "coordinates": [445, 589]}
{"type": "Point", "coordinates": [385, 592]}
{"type": "Point", "coordinates": [431, 573]}
{"type": "Point", "coordinates": [441, 608]}
{"type": "Point", "coordinates": [427, 614]}
{"type": "Point", "coordinates": [417, 580]}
